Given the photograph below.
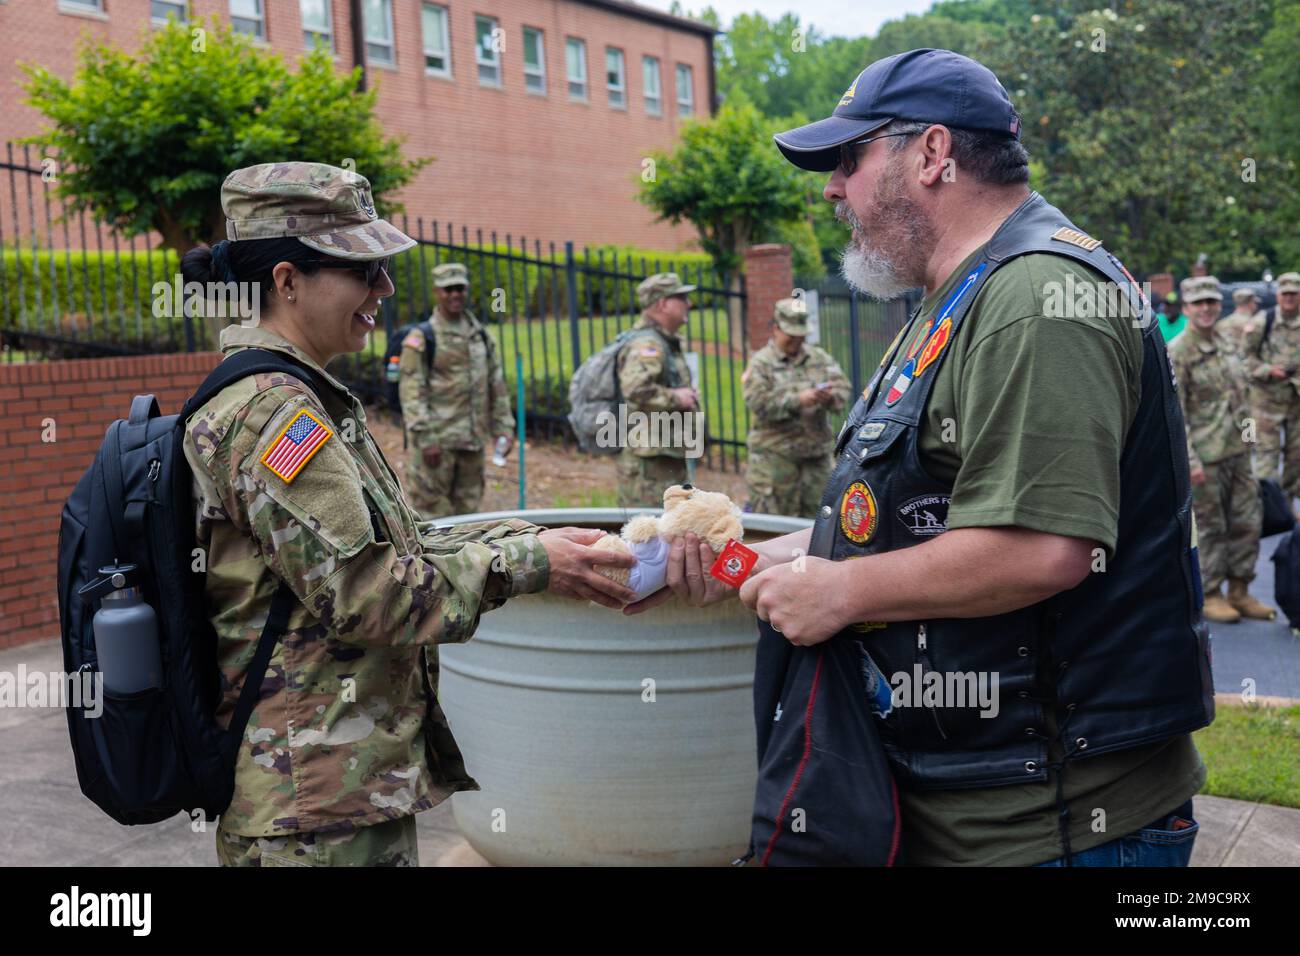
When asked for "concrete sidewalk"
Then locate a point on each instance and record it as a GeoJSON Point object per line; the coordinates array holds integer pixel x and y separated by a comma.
{"type": "Point", "coordinates": [45, 820]}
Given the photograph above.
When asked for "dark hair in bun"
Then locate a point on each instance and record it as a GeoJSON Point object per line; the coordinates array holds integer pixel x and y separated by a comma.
{"type": "Point", "coordinates": [249, 260]}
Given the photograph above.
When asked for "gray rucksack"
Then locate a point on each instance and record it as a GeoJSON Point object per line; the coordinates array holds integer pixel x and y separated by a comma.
{"type": "Point", "coordinates": [594, 393]}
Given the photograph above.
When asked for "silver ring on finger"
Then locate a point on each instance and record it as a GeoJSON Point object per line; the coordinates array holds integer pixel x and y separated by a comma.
{"type": "Point", "coordinates": [773, 627]}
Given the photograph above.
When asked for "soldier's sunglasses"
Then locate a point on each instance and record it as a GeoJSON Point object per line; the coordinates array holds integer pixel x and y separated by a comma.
{"type": "Point", "coordinates": [849, 151]}
{"type": "Point", "coordinates": [368, 271]}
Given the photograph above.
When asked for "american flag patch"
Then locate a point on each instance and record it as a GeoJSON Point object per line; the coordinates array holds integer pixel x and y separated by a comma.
{"type": "Point", "coordinates": [295, 445]}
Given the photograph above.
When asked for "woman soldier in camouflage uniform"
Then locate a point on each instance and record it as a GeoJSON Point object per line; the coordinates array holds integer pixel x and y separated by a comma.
{"type": "Point", "coordinates": [291, 487]}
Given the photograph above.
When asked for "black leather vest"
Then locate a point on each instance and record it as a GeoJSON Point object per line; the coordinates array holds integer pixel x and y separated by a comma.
{"type": "Point", "coordinates": [1121, 660]}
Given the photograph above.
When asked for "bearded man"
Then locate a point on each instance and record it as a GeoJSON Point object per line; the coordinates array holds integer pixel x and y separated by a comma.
{"type": "Point", "coordinates": [1034, 418]}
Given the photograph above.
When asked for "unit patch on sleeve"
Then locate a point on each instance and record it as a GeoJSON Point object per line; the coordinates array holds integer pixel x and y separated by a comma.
{"type": "Point", "coordinates": [297, 442]}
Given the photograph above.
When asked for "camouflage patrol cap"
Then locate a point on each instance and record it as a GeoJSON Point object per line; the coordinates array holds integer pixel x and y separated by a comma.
{"type": "Point", "coordinates": [450, 273]}
{"type": "Point", "coordinates": [792, 316]}
{"type": "Point", "coordinates": [1241, 296]}
{"type": "Point", "coordinates": [1288, 282]}
{"type": "Point", "coordinates": [327, 208]}
{"type": "Point", "coordinates": [1199, 288]}
{"type": "Point", "coordinates": [660, 286]}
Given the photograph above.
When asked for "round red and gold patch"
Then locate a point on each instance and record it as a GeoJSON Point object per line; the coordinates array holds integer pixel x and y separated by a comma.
{"type": "Point", "coordinates": [858, 513]}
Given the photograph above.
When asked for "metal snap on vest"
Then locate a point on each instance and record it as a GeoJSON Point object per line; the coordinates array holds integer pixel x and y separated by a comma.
{"type": "Point", "coordinates": [1082, 743]}
{"type": "Point", "coordinates": [1029, 731]}
{"type": "Point", "coordinates": [1023, 694]}
{"type": "Point", "coordinates": [1022, 651]}
{"type": "Point", "coordinates": [826, 511]}
{"type": "Point", "coordinates": [1030, 766]}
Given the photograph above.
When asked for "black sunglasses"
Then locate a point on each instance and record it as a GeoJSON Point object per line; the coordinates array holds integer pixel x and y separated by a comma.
{"type": "Point", "coordinates": [368, 271]}
{"type": "Point", "coordinates": [849, 152]}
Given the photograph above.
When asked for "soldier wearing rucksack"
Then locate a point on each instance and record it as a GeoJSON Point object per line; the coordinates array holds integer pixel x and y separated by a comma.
{"type": "Point", "coordinates": [299, 601]}
{"type": "Point", "coordinates": [453, 396]}
{"type": "Point", "coordinates": [653, 377]}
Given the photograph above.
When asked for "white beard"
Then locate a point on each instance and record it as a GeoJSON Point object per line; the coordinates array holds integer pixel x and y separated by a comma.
{"type": "Point", "coordinates": [872, 273]}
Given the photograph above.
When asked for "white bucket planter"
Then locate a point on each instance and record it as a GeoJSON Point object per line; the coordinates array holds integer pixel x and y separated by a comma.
{"type": "Point", "coordinates": [599, 738]}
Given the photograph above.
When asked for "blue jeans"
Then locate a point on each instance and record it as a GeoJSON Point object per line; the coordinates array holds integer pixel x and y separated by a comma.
{"type": "Point", "coordinates": [1156, 844]}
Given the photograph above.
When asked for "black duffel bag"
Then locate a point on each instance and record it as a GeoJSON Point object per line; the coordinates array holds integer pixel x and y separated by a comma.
{"type": "Point", "coordinates": [1278, 517]}
{"type": "Point", "coordinates": [825, 794]}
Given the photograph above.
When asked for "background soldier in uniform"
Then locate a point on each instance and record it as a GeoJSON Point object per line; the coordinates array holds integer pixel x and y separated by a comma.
{"type": "Point", "coordinates": [300, 514]}
{"type": "Point", "coordinates": [1224, 491]}
{"type": "Point", "coordinates": [653, 377]}
{"type": "Point", "coordinates": [1273, 362]}
{"type": "Point", "coordinates": [450, 409]}
{"type": "Point", "coordinates": [1245, 318]}
{"type": "Point", "coordinates": [790, 389]}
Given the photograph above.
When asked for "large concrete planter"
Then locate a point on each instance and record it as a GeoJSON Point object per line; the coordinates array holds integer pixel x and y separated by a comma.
{"type": "Point", "coordinates": [599, 738]}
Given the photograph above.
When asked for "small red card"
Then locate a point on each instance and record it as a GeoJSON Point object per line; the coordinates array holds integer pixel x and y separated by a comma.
{"type": "Point", "coordinates": [734, 563]}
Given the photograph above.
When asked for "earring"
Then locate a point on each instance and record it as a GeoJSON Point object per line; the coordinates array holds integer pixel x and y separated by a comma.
{"type": "Point", "coordinates": [290, 298]}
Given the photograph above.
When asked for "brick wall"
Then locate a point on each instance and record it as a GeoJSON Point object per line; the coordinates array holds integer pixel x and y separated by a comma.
{"type": "Point", "coordinates": [80, 398]}
{"type": "Point", "coordinates": [769, 277]}
{"type": "Point", "coordinates": [507, 159]}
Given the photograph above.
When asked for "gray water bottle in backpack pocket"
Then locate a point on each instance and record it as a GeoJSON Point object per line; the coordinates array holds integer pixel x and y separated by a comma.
{"type": "Point", "coordinates": [126, 632]}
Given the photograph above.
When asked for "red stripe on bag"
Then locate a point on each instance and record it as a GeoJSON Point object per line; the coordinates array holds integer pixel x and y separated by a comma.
{"type": "Point", "coordinates": [803, 761]}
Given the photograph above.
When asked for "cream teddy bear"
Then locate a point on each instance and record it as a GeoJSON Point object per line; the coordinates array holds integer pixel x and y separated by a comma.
{"type": "Point", "coordinates": [712, 515]}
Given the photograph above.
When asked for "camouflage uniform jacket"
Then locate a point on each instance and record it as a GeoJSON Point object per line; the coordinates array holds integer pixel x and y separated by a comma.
{"type": "Point", "coordinates": [1281, 348]}
{"type": "Point", "coordinates": [772, 384]}
{"type": "Point", "coordinates": [336, 739]}
{"type": "Point", "coordinates": [649, 367]}
{"type": "Point", "coordinates": [1236, 328]}
{"type": "Point", "coordinates": [1214, 396]}
{"type": "Point", "coordinates": [464, 400]}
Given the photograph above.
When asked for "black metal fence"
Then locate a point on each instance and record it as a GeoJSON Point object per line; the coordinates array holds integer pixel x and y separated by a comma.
{"type": "Point", "coordinates": [71, 286]}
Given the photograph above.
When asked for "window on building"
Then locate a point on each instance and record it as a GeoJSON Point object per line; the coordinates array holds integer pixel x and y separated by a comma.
{"type": "Point", "coordinates": [95, 5]}
{"type": "Point", "coordinates": [650, 83]}
{"type": "Point", "coordinates": [247, 16]}
{"type": "Point", "coordinates": [162, 9]}
{"type": "Point", "coordinates": [615, 81]}
{"type": "Point", "coordinates": [437, 42]}
{"type": "Point", "coordinates": [575, 62]}
{"type": "Point", "coordinates": [534, 61]}
{"type": "Point", "coordinates": [685, 91]}
{"type": "Point", "coordinates": [378, 17]}
{"type": "Point", "coordinates": [317, 24]}
{"type": "Point", "coordinates": [487, 50]}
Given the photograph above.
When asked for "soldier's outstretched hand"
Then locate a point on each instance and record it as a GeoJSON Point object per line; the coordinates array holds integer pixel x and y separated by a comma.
{"type": "Point", "coordinates": [573, 573]}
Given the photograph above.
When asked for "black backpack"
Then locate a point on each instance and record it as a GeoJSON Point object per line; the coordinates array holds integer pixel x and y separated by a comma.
{"type": "Point", "coordinates": [393, 360]}
{"type": "Point", "coordinates": [1275, 505]}
{"type": "Point", "coordinates": [1286, 577]}
{"type": "Point", "coordinates": [825, 793]}
{"type": "Point", "coordinates": [152, 754]}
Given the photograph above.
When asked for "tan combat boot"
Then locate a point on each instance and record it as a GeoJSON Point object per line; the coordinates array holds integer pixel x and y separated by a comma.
{"type": "Point", "coordinates": [1219, 611]}
{"type": "Point", "coordinates": [1240, 599]}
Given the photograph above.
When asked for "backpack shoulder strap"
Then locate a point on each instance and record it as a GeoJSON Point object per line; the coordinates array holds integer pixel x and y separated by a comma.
{"type": "Point", "coordinates": [251, 362]}
{"type": "Point", "coordinates": [1268, 327]}
{"type": "Point", "coordinates": [430, 344]}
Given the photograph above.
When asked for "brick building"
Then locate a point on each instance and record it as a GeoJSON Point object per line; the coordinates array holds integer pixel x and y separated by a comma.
{"type": "Point", "coordinates": [539, 112]}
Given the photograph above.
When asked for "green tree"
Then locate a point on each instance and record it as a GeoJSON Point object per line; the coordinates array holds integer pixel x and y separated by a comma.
{"type": "Point", "coordinates": [1141, 119]}
{"type": "Point", "coordinates": [727, 179]}
{"type": "Point", "coordinates": [145, 140]}
{"type": "Point", "coordinates": [1277, 129]}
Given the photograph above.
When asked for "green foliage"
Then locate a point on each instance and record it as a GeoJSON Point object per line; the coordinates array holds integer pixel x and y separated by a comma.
{"type": "Point", "coordinates": [1142, 144]}
{"type": "Point", "coordinates": [1141, 117]}
{"type": "Point", "coordinates": [89, 298]}
{"type": "Point", "coordinates": [145, 140]}
{"type": "Point", "coordinates": [1253, 753]}
{"type": "Point", "coordinates": [728, 181]}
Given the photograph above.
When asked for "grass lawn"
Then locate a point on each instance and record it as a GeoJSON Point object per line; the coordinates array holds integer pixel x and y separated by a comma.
{"type": "Point", "coordinates": [1252, 752]}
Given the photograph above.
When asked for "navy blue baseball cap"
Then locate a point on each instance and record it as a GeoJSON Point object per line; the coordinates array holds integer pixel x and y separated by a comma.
{"type": "Point", "coordinates": [929, 86]}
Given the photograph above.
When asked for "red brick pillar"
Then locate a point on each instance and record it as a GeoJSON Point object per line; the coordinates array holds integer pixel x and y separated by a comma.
{"type": "Point", "coordinates": [769, 277]}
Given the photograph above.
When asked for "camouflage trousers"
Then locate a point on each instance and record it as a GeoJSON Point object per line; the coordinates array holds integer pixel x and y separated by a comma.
{"type": "Point", "coordinates": [641, 481]}
{"type": "Point", "coordinates": [385, 844]}
{"type": "Point", "coordinates": [786, 486]}
{"type": "Point", "coordinates": [1277, 414]}
{"type": "Point", "coordinates": [452, 487]}
{"type": "Point", "coordinates": [1228, 516]}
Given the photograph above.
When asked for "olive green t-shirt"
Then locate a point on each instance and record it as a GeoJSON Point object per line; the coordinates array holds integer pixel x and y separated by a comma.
{"type": "Point", "coordinates": [1027, 419]}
